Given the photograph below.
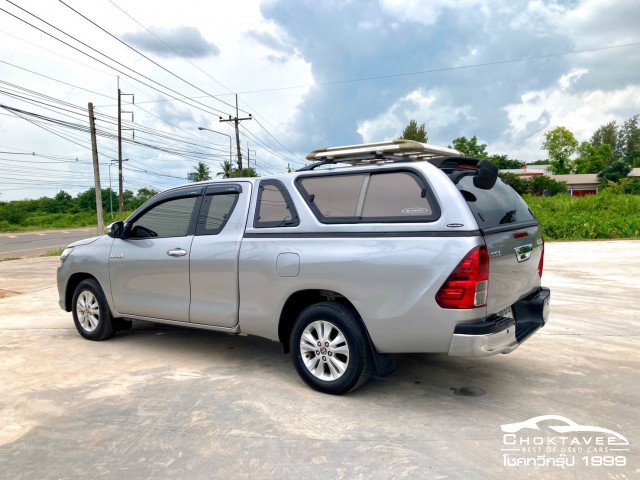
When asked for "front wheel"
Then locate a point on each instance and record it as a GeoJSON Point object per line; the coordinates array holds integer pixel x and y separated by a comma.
{"type": "Point", "coordinates": [91, 313]}
{"type": "Point", "coordinates": [329, 348]}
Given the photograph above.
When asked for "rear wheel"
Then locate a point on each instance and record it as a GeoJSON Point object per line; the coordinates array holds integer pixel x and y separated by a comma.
{"type": "Point", "coordinates": [91, 313]}
{"type": "Point", "coordinates": [329, 348]}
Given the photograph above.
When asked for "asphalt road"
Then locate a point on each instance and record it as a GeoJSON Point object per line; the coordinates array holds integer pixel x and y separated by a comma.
{"type": "Point", "coordinates": [160, 402]}
{"type": "Point", "coordinates": [32, 244]}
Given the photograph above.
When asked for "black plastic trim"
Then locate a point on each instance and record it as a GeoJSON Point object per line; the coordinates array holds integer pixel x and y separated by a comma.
{"type": "Point", "coordinates": [528, 313]}
{"type": "Point", "coordinates": [403, 234]}
{"type": "Point", "coordinates": [510, 226]}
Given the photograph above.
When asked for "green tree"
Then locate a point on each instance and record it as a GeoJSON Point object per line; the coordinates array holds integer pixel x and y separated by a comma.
{"type": "Point", "coordinates": [543, 185]}
{"type": "Point", "coordinates": [202, 172]}
{"type": "Point", "coordinates": [560, 145]}
{"type": "Point", "coordinates": [616, 172]}
{"type": "Point", "coordinates": [471, 147]}
{"type": "Point", "coordinates": [415, 132]}
{"type": "Point", "coordinates": [629, 140]}
{"type": "Point", "coordinates": [503, 162]}
{"type": "Point", "coordinates": [246, 172]}
{"type": "Point", "coordinates": [227, 169]}
{"type": "Point", "coordinates": [593, 159]}
{"type": "Point", "coordinates": [606, 134]}
{"type": "Point", "coordinates": [516, 182]}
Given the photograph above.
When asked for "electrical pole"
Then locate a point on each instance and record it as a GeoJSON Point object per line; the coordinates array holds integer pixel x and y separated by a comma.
{"type": "Point", "coordinates": [96, 170]}
{"type": "Point", "coordinates": [120, 188]}
{"type": "Point", "coordinates": [236, 122]}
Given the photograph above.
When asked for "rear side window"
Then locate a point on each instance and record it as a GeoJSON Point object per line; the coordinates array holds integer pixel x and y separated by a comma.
{"type": "Point", "coordinates": [497, 207]}
{"type": "Point", "coordinates": [390, 196]}
{"type": "Point", "coordinates": [274, 206]}
{"type": "Point", "coordinates": [214, 213]}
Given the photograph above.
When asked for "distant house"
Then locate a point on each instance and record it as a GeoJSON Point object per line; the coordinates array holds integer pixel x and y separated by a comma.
{"type": "Point", "coordinates": [634, 173]}
{"type": "Point", "coordinates": [579, 184]}
{"type": "Point", "coordinates": [528, 170]}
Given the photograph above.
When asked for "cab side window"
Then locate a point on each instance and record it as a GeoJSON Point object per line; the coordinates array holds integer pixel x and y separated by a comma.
{"type": "Point", "coordinates": [167, 219]}
{"type": "Point", "coordinates": [215, 212]}
{"type": "Point", "coordinates": [274, 206]}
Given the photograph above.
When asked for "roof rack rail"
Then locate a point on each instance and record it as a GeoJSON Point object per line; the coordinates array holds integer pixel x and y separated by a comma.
{"type": "Point", "coordinates": [400, 147]}
{"type": "Point", "coordinates": [394, 150]}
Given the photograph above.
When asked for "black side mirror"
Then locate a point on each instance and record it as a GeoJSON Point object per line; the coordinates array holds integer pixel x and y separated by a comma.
{"type": "Point", "coordinates": [115, 230]}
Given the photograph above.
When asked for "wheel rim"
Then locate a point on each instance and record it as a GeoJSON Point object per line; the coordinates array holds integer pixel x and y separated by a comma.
{"type": "Point", "coordinates": [324, 350]}
{"type": "Point", "coordinates": [88, 311]}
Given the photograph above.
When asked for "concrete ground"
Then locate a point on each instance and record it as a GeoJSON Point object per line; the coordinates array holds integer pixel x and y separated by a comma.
{"type": "Point", "coordinates": [159, 402]}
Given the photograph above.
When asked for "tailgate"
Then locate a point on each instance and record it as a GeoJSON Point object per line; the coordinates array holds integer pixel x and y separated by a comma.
{"type": "Point", "coordinates": [514, 259]}
{"type": "Point", "coordinates": [513, 239]}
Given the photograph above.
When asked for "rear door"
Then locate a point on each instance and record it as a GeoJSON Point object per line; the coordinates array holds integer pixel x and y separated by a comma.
{"type": "Point", "coordinates": [513, 239]}
{"type": "Point", "coordinates": [214, 254]}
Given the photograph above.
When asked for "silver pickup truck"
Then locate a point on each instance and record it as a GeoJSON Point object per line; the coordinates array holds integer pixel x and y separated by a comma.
{"type": "Point", "coordinates": [370, 250]}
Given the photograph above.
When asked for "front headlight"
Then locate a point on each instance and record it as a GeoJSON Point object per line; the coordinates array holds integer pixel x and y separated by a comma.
{"type": "Point", "coordinates": [65, 253]}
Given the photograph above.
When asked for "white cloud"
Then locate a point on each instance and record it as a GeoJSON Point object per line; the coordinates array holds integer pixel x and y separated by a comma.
{"type": "Point", "coordinates": [426, 12]}
{"type": "Point", "coordinates": [562, 104]}
{"type": "Point", "coordinates": [432, 107]}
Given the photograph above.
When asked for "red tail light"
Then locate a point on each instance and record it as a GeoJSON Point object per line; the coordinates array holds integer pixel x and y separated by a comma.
{"type": "Point", "coordinates": [467, 286]}
{"type": "Point", "coordinates": [541, 262]}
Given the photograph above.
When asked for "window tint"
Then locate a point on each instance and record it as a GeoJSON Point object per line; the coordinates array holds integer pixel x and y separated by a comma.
{"type": "Point", "coordinates": [391, 196]}
{"type": "Point", "coordinates": [168, 219]}
{"type": "Point", "coordinates": [335, 196]}
{"type": "Point", "coordinates": [214, 213]}
{"type": "Point", "coordinates": [496, 207]}
{"type": "Point", "coordinates": [274, 207]}
{"type": "Point", "coordinates": [395, 195]}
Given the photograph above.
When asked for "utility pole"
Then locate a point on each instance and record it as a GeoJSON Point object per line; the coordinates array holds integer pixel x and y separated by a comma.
{"type": "Point", "coordinates": [96, 170]}
{"type": "Point", "coordinates": [120, 189]}
{"type": "Point", "coordinates": [236, 121]}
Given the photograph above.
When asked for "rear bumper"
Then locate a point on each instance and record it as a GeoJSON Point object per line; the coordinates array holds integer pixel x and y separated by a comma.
{"type": "Point", "coordinates": [502, 334]}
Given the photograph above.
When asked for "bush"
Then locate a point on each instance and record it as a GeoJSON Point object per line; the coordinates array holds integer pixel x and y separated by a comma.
{"type": "Point", "coordinates": [603, 216]}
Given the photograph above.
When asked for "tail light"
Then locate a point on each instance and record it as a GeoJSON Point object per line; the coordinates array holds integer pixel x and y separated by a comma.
{"type": "Point", "coordinates": [541, 262]}
{"type": "Point", "coordinates": [467, 286]}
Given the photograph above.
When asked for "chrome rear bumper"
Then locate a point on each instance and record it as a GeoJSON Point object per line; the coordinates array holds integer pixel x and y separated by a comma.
{"type": "Point", "coordinates": [502, 334]}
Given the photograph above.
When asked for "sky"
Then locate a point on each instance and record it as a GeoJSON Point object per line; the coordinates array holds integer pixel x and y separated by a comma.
{"type": "Point", "coordinates": [312, 74]}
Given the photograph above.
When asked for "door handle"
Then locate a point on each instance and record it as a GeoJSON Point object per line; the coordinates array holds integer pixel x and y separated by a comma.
{"type": "Point", "coordinates": [177, 252]}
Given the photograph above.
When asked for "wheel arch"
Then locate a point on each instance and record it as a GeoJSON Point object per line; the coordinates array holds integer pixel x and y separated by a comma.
{"type": "Point", "coordinates": [72, 283]}
{"type": "Point", "coordinates": [302, 299]}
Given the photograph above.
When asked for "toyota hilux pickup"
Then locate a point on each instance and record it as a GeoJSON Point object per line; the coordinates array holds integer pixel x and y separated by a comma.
{"type": "Point", "coordinates": [368, 251]}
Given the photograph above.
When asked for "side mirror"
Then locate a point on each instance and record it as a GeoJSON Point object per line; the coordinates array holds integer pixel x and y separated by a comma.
{"type": "Point", "coordinates": [115, 230]}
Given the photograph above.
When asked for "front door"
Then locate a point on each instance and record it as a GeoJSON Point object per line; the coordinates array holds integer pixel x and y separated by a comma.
{"type": "Point", "coordinates": [149, 269]}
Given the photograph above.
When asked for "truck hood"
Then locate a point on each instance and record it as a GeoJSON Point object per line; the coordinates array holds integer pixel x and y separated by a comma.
{"type": "Point", "coordinates": [84, 241]}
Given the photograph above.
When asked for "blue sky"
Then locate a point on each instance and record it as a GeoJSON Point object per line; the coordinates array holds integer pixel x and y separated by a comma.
{"type": "Point", "coordinates": [313, 74]}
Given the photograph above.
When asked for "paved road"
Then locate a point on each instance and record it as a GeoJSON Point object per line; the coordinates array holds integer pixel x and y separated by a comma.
{"type": "Point", "coordinates": [159, 402]}
{"type": "Point", "coordinates": [33, 244]}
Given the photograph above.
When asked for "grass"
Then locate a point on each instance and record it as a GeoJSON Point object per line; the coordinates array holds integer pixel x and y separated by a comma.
{"type": "Point", "coordinates": [602, 216]}
{"type": "Point", "coordinates": [56, 252]}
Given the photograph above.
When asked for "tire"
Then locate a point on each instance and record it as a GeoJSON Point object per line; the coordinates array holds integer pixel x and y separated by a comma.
{"type": "Point", "coordinates": [329, 348]}
{"type": "Point", "coordinates": [91, 313]}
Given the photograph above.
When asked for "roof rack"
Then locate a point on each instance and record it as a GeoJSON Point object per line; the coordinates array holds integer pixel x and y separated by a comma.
{"type": "Point", "coordinates": [394, 150]}
{"type": "Point", "coordinates": [399, 147]}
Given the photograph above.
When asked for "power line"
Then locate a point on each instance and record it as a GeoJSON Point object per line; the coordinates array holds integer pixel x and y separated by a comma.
{"type": "Point", "coordinates": [104, 63]}
{"type": "Point", "coordinates": [168, 45]}
{"type": "Point", "coordinates": [143, 55]}
{"type": "Point", "coordinates": [444, 69]}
